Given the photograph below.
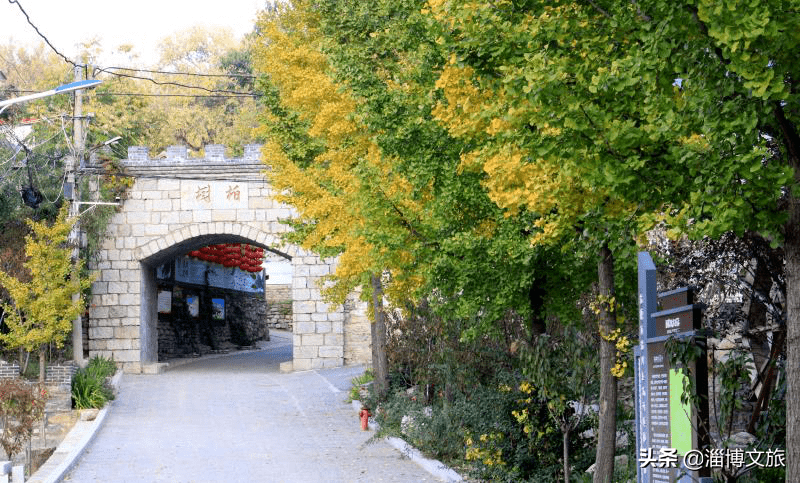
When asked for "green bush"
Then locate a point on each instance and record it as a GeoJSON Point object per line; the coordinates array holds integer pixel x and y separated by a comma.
{"type": "Point", "coordinates": [101, 368]}
{"type": "Point", "coordinates": [355, 385]}
{"type": "Point", "coordinates": [90, 387]}
{"type": "Point", "coordinates": [477, 431]}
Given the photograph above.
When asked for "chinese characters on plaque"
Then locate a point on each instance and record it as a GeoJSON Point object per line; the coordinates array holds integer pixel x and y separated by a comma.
{"type": "Point", "coordinates": [215, 195]}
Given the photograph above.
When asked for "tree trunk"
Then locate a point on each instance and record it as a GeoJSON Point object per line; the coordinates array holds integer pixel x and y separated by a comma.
{"type": "Point", "coordinates": [607, 431]}
{"type": "Point", "coordinates": [792, 251]}
{"type": "Point", "coordinates": [378, 332]}
{"type": "Point", "coordinates": [536, 300]}
{"type": "Point", "coordinates": [42, 362]}
{"type": "Point", "coordinates": [565, 453]}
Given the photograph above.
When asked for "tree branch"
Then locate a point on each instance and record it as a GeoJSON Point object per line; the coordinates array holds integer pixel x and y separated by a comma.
{"type": "Point", "coordinates": [641, 14]}
{"type": "Point", "coordinates": [791, 138]}
{"type": "Point", "coordinates": [704, 30]}
{"type": "Point", "coordinates": [599, 9]}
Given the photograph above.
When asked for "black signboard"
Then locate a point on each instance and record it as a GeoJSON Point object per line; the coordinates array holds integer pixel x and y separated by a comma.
{"type": "Point", "coordinates": [678, 320]}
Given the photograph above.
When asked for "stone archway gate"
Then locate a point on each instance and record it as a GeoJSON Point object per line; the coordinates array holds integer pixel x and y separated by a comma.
{"type": "Point", "coordinates": [178, 204]}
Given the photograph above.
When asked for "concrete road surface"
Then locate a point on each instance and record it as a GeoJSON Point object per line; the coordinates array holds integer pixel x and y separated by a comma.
{"type": "Point", "coordinates": [237, 419]}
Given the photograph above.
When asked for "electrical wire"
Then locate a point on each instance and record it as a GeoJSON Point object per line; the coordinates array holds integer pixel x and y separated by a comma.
{"type": "Point", "coordinates": [108, 70]}
{"type": "Point", "coordinates": [138, 94]}
{"type": "Point", "coordinates": [168, 83]}
{"type": "Point", "coordinates": [41, 34]}
{"type": "Point", "coordinates": [245, 76]}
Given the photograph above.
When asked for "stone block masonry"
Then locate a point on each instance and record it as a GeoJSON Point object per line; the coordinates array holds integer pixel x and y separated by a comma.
{"type": "Point", "coordinates": [60, 375]}
{"type": "Point", "coordinates": [8, 370]}
{"type": "Point", "coordinates": [179, 204]}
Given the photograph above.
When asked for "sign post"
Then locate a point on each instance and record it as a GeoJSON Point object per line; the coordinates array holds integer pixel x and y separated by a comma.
{"type": "Point", "coordinates": [666, 428]}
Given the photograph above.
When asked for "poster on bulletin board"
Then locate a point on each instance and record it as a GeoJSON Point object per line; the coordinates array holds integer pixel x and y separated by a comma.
{"type": "Point", "coordinates": [164, 301]}
{"type": "Point", "coordinates": [218, 309]}
{"type": "Point", "coordinates": [193, 302]}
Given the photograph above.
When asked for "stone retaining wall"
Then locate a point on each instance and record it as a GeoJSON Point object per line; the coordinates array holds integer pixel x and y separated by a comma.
{"type": "Point", "coordinates": [8, 370]}
{"type": "Point", "coordinates": [279, 306]}
{"type": "Point", "coordinates": [60, 374]}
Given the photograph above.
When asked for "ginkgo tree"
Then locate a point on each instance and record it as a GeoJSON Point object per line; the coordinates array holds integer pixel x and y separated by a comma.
{"type": "Point", "coordinates": [42, 309]}
{"type": "Point", "coordinates": [604, 115]}
{"type": "Point", "coordinates": [374, 177]}
{"type": "Point", "coordinates": [313, 151]}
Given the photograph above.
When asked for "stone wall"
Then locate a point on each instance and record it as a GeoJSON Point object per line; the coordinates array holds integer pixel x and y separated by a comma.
{"type": "Point", "coordinates": [179, 204]}
{"type": "Point", "coordinates": [60, 374]}
{"type": "Point", "coordinates": [278, 293]}
{"type": "Point", "coordinates": [279, 306]}
{"type": "Point", "coordinates": [357, 333]}
{"type": "Point", "coordinates": [8, 370]}
{"type": "Point", "coordinates": [58, 382]}
{"type": "Point", "coordinates": [247, 318]}
{"type": "Point", "coordinates": [180, 335]}
{"type": "Point", "coordinates": [55, 374]}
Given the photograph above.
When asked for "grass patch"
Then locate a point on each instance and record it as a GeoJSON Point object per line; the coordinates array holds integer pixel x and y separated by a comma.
{"type": "Point", "coordinates": [355, 385]}
{"type": "Point", "coordinates": [90, 386]}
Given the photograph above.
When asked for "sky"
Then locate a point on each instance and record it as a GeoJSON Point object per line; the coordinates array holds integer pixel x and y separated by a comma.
{"type": "Point", "coordinates": [141, 23]}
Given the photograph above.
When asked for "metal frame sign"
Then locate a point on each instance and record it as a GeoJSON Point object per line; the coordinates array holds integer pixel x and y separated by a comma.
{"type": "Point", "coordinates": [666, 428]}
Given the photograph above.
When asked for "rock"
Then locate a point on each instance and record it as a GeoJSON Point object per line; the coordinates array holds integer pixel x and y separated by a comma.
{"type": "Point", "coordinates": [363, 390]}
{"type": "Point", "coordinates": [742, 439]}
{"type": "Point", "coordinates": [620, 461]}
{"type": "Point", "coordinates": [89, 414]}
{"type": "Point", "coordinates": [407, 423]}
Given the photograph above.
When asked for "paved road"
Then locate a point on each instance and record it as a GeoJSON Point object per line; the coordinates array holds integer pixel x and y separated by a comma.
{"type": "Point", "coordinates": [237, 419]}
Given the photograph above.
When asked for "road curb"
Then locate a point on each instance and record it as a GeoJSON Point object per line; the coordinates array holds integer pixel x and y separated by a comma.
{"type": "Point", "coordinates": [435, 467]}
{"type": "Point", "coordinates": [74, 444]}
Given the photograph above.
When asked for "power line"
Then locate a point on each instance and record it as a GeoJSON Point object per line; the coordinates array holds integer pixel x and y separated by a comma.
{"type": "Point", "coordinates": [246, 76]}
{"type": "Point", "coordinates": [41, 34]}
{"type": "Point", "coordinates": [137, 94]}
{"type": "Point", "coordinates": [108, 70]}
{"type": "Point", "coordinates": [168, 83]}
{"type": "Point", "coordinates": [244, 95]}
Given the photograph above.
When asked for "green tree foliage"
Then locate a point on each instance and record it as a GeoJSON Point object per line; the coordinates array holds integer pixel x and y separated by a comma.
{"type": "Point", "coordinates": [572, 126]}
{"type": "Point", "coordinates": [635, 111]}
{"type": "Point", "coordinates": [431, 225]}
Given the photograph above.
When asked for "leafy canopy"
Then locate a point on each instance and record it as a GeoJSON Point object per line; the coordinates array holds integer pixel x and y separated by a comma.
{"type": "Point", "coordinates": [43, 308]}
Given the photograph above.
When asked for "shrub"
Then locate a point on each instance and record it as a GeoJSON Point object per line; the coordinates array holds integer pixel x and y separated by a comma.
{"type": "Point", "coordinates": [477, 431]}
{"type": "Point", "coordinates": [90, 388]}
{"type": "Point", "coordinates": [21, 405]}
{"type": "Point", "coordinates": [101, 368]}
{"type": "Point", "coordinates": [357, 382]}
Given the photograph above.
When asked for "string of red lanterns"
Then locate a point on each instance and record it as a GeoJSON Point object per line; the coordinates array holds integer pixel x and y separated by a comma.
{"type": "Point", "coordinates": [239, 255]}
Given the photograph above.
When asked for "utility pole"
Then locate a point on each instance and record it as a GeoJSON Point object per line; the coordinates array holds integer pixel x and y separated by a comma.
{"type": "Point", "coordinates": [73, 164]}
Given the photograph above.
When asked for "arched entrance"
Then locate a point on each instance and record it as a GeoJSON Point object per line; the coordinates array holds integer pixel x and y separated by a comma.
{"type": "Point", "coordinates": [179, 204]}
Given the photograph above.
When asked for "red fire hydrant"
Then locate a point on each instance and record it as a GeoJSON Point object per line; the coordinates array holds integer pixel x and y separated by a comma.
{"type": "Point", "coordinates": [364, 414]}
